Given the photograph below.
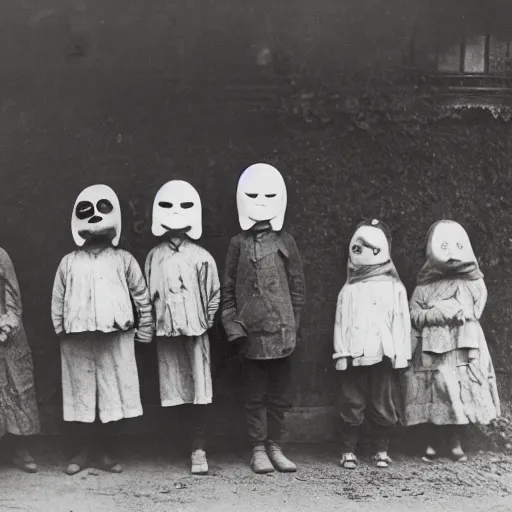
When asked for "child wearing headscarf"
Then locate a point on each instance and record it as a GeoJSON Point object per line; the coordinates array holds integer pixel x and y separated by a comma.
{"type": "Point", "coordinates": [451, 382]}
{"type": "Point", "coordinates": [371, 342]}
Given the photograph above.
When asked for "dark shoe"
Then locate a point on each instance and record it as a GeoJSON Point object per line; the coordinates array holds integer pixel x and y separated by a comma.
{"type": "Point", "coordinates": [199, 463]}
{"type": "Point", "coordinates": [260, 463]}
{"type": "Point", "coordinates": [77, 464]}
{"type": "Point", "coordinates": [24, 461]}
{"type": "Point", "coordinates": [107, 463]}
{"type": "Point", "coordinates": [278, 460]}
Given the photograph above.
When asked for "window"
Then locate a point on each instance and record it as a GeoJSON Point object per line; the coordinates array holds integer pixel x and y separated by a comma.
{"type": "Point", "coordinates": [475, 55]}
{"type": "Point", "coordinates": [462, 54]}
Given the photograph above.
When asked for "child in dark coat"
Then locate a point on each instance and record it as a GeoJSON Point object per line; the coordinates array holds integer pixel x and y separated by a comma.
{"type": "Point", "coordinates": [263, 294]}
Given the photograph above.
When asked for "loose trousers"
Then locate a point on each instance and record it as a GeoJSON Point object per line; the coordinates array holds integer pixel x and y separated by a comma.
{"type": "Point", "coordinates": [371, 394]}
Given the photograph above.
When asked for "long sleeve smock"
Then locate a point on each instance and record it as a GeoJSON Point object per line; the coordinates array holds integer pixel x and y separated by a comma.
{"type": "Point", "coordinates": [94, 292]}
{"type": "Point", "coordinates": [184, 288]}
{"type": "Point", "coordinates": [372, 321]}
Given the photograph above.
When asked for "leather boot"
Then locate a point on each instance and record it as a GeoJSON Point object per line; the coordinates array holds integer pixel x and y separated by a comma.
{"type": "Point", "coordinates": [260, 462]}
{"type": "Point", "coordinates": [279, 461]}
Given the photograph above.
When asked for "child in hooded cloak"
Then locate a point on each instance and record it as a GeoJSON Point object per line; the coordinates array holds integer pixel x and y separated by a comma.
{"type": "Point", "coordinates": [451, 382]}
{"type": "Point", "coordinates": [371, 342]}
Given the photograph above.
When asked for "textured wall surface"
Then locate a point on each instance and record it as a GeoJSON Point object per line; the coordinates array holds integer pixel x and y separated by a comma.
{"type": "Point", "coordinates": [133, 94]}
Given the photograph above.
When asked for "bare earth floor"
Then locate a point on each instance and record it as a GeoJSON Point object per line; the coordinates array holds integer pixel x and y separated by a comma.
{"type": "Point", "coordinates": [154, 480]}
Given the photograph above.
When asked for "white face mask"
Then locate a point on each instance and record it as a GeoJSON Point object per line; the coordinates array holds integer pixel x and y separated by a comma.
{"type": "Point", "coordinates": [369, 246]}
{"type": "Point", "coordinates": [96, 211]}
{"type": "Point", "coordinates": [177, 205]}
{"type": "Point", "coordinates": [449, 244]}
{"type": "Point", "coordinates": [261, 196]}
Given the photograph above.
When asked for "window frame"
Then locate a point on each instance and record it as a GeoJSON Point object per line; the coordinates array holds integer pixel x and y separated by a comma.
{"type": "Point", "coordinates": [462, 58]}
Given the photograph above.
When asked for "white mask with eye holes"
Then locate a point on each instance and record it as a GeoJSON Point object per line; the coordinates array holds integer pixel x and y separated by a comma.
{"type": "Point", "coordinates": [261, 196]}
{"type": "Point", "coordinates": [177, 205]}
{"type": "Point", "coordinates": [369, 246]}
{"type": "Point", "coordinates": [449, 244]}
{"type": "Point", "coordinates": [96, 212]}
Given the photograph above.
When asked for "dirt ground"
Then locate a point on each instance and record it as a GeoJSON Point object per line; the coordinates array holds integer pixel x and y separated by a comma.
{"type": "Point", "coordinates": [156, 479]}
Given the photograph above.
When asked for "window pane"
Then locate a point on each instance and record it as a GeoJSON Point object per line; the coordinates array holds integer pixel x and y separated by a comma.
{"type": "Point", "coordinates": [449, 61]}
{"type": "Point", "coordinates": [497, 56]}
{"type": "Point", "coordinates": [474, 61]}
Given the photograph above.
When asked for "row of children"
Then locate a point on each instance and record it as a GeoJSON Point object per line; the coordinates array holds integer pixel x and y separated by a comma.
{"type": "Point", "coordinates": [449, 379]}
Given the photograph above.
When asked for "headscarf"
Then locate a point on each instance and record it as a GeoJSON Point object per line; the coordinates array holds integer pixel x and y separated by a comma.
{"type": "Point", "coordinates": [381, 272]}
{"type": "Point", "coordinates": [434, 270]}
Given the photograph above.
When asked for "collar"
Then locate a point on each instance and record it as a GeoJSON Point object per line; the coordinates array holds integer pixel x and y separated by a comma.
{"type": "Point", "coordinates": [261, 228]}
{"type": "Point", "coordinates": [176, 243]}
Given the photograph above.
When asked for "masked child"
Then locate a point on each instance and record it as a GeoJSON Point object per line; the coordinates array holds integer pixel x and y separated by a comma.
{"type": "Point", "coordinates": [371, 342]}
{"type": "Point", "coordinates": [451, 382]}
{"type": "Point", "coordinates": [96, 289]}
{"type": "Point", "coordinates": [263, 294]}
{"type": "Point", "coordinates": [185, 291]}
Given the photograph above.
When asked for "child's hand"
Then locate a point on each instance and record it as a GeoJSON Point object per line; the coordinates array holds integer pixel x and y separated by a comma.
{"type": "Point", "coordinates": [459, 318]}
{"type": "Point", "coordinates": [341, 364]}
{"type": "Point", "coordinates": [5, 333]}
{"type": "Point", "coordinates": [143, 336]}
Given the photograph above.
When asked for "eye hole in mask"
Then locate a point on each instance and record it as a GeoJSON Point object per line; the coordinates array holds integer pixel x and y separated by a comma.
{"type": "Point", "coordinates": [252, 196]}
{"type": "Point", "coordinates": [187, 205]}
{"type": "Point", "coordinates": [356, 249]}
{"type": "Point", "coordinates": [104, 206]}
{"type": "Point", "coordinates": [270, 195]}
{"type": "Point", "coordinates": [84, 210]}
{"type": "Point", "coordinates": [165, 204]}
